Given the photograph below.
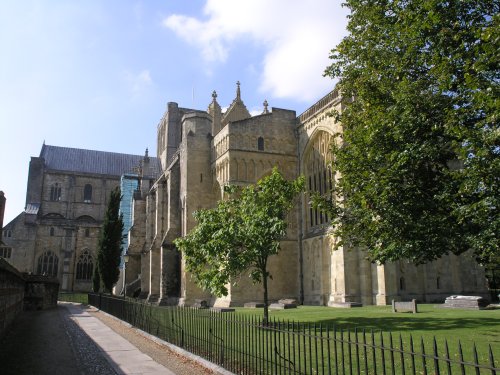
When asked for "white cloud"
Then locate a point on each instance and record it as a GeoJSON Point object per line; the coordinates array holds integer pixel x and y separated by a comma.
{"type": "Point", "coordinates": [138, 82]}
{"type": "Point", "coordinates": [297, 36]}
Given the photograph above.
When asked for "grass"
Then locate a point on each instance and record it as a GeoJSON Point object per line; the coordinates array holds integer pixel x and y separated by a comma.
{"type": "Point", "coordinates": [247, 347]}
{"type": "Point", "coordinates": [479, 326]}
{"type": "Point", "coordinates": [466, 325]}
{"type": "Point", "coordinates": [73, 297]}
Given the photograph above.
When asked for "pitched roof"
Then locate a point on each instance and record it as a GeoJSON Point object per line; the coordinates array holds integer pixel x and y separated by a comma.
{"type": "Point", "coordinates": [96, 162]}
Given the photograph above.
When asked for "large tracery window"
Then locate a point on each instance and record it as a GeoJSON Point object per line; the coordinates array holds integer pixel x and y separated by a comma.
{"type": "Point", "coordinates": [47, 264]}
{"type": "Point", "coordinates": [85, 266]}
{"type": "Point", "coordinates": [319, 178]}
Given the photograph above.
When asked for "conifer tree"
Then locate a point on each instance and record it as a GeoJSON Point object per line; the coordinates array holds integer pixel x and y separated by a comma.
{"type": "Point", "coordinates": [110, 243]}
{"type": "Point", "coordinates": [96, 280]}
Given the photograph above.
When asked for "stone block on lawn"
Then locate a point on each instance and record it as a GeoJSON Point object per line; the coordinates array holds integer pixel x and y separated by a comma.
{"type": "Point", "coordinates": [288, 301]}
{"type": "Point", "coordinates": [282, 306]}
{"type": "Point", "coordinates": [253, 305]}
{"type": "Point", "coordinates": [465, 302]}
{"type": "Point", "coordinates": [345, 305]}
{"type": "Point", "coordinates": [200, 304]}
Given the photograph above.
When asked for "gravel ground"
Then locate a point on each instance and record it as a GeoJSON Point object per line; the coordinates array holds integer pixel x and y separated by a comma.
{"type": "Point", "coordinates": [174, 362]}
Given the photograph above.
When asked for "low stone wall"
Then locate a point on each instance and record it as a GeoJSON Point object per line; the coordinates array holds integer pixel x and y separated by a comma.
{"type": "Point", "coordinates": [41, 292]}
{"type": "Point", "coordinates": [12, 286]}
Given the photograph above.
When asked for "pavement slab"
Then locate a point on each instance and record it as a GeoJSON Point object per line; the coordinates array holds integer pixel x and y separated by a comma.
{"type": "Point", "coordinates": [124, 357]}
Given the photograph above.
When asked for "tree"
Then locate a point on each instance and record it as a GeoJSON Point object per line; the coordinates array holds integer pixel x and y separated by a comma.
{"type": "Point", "coordinates": [110, 243]}
{"type": "Point", "coordinates": [96, 280]}
{"type": "Point", "coordinates": [418, 157]}
{"type": "Point", "coordinates": [240, 234]}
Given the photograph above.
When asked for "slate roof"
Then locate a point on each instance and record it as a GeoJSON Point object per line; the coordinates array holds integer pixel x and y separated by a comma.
{"type": "Point", "coordinates": [96, 162]}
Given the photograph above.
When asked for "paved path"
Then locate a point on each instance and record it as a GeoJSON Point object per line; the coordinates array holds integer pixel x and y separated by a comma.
{"type": "Point", "coordinates": [70, 341]}
{"type": "Point", "coordinates": [124, 357]}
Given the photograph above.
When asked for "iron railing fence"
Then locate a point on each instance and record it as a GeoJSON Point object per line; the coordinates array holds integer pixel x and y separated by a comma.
{"type": "Point", "coordinates": [243, 345]}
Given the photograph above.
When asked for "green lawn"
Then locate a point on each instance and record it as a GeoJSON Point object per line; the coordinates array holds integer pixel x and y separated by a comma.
{"type": "Point", "coordinates": [323, 339]}
{"type": "Point", "coordinates": [73, 297]}
{"type": "Point", "coordinates": [468, 326]}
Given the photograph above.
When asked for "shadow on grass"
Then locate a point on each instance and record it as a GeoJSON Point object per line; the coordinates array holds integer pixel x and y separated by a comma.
{"type": "Point", "coordinates": [410, 323]}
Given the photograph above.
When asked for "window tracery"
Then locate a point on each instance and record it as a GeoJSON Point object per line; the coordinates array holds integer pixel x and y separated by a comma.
{"type": "Point", "coordinates": [85, 266]}
{"type": "Point", "coordinates": [318, 174]}
{"type": "Point", "coordinates": [48, 263]}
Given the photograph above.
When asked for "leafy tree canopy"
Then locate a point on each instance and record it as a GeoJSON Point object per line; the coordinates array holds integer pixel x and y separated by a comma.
{"type": "Point", "coordinates": [240, 233]}
{"type": "Point", "coordinates": [418, 158]}
{"type": "Point", "coordinates": [110, 243]}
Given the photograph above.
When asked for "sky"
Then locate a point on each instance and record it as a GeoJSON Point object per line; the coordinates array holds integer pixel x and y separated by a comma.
{"type": "Point", "coordinates": [97, 74]}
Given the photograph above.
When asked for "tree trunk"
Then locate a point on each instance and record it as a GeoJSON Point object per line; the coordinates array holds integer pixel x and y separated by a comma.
{"type": "Point", "coordinates": [266, 300]}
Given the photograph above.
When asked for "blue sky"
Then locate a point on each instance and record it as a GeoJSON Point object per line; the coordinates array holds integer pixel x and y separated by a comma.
{"type": "Point", "coordinates": [97, 74]}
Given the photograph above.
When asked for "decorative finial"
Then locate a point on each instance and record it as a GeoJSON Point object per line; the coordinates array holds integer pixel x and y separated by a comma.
{"type": "Point", "coordinates": [214, 96]}
{"type": "Point", "coordinates": [265, 107]}
{"type": "Point", "coordinates": [238, 92]}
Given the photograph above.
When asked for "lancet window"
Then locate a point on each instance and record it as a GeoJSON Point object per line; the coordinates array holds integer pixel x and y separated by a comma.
{"type": "Point", "coordinates": [260, 144]}
{"type": "Point", "coordinates": [87, 193]}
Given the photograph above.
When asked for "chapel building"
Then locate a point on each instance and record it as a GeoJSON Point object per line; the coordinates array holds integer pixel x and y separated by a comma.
{"type": "Point", "coordinates": [67, 194]}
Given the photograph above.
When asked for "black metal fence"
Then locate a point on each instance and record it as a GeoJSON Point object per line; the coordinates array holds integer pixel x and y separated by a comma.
{"type": "Point", "coordinates": [244, 345]}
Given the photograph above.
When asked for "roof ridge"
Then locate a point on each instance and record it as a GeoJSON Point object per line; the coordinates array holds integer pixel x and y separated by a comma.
{"type": "Point", "coordinates": [45, 146]}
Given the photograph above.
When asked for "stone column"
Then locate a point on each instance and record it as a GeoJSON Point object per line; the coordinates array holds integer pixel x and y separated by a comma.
{"type": "Point", "coordinates": [365, 280]}
{"type": "Point", "coordinates": [338, 283]}
{"type": "Point", "coordinates": [154, 274]}
{"type": "Point", "coordinates": [67, 255]}
{"type": "Point", "coordinates": [145, 281]}
{"type": "Point", "coordinates": [170, 280]}
{"type": "Point", "coordinates": [381, 297]}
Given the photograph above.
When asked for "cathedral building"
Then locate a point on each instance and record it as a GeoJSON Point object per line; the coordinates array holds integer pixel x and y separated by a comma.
{"type": "Point", "coordinates": [198, 153]}
{"type": "Point", "coordinates": [202, 151]}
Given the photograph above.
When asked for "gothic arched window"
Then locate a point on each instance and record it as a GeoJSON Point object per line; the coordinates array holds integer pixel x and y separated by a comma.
{"type": "Point", "coordinates": [47, 264]}
{"type": "Point", "coordinates": [85, 266]}
{"type": "Point", "coordinates": [51, 231]}
{"type": "Point", "coordinates": [318, 175]}
{"type": "Point", "coordinates": [87, 193]}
